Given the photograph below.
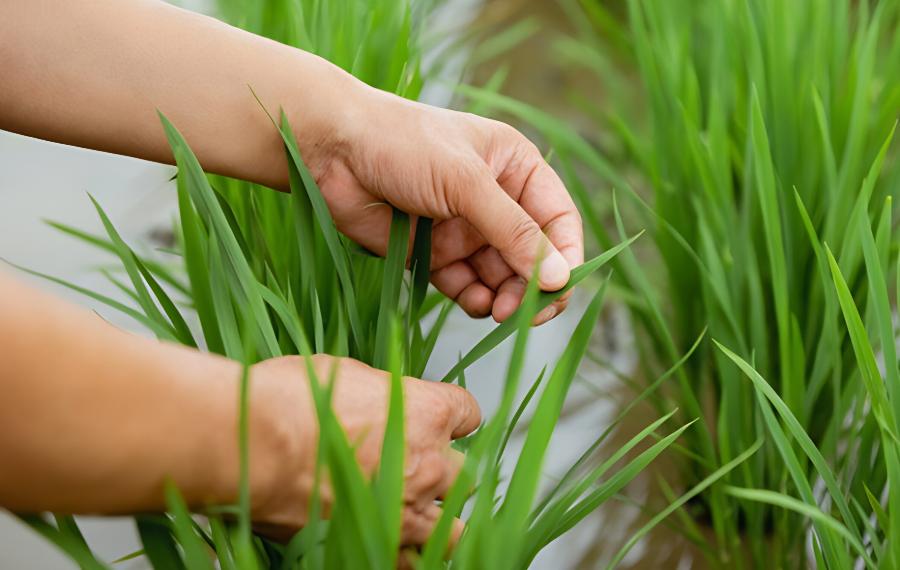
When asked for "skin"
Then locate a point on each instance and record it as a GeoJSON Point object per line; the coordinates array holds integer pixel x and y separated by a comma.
{"type": "Point", "coordinates": [173, 415]}
{"type": "Point", "coordinates": [67, 376]}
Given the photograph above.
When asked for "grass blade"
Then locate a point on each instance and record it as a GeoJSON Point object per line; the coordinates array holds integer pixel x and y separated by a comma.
{"type": "Point", "coordinates": [502, 331]}
{"type": "Point", "coordinates": [696, 490]}
{"type": "Point", "coordinates": [388, 310]}
{"type": "Point", "coordinates": [159, 545]}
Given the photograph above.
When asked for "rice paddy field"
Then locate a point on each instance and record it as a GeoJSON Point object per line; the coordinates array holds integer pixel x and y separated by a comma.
{"type": "Point", "coordinates": [724, 391]}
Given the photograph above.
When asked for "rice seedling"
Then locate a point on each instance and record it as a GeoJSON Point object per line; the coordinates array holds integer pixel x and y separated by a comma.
{"type": "Point", "coordinates": [256, 320]}
{"type": "Point", "coordinates": [268, 274]}
{"type": "Point", "coordinates": [757, 132]}
{"type": "Point", "coordinates": [853, 518]}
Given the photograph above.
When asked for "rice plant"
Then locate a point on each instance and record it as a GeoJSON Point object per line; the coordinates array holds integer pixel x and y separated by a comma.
{"type": "Point", "coordinates": [756, 131]}
{"type": "Point", "coordinates": [854, 518]}
{"type": "Point", "coordinates": [356, 517]}
{"type": "Point", "coordinates": [268, 274]}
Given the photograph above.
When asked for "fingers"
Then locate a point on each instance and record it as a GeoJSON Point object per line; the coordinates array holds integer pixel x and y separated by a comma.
{"type": "Point", "coordinates": [440, 412]}
{"type": "Point", "coordinates": [275, 532]}
{"type": "Point", "coordinates": [433, 467]}
{"type": "Point", "coordinates": [460, 282]}
{"type": "Point", "coordinates": [455, 460]}
{"type": "Point", "coordinates": [438, 469]}
{"type": "Point", "coordinates": [518, 205]}
{"type": "Point", "coordinates": [555, 308]}
{"type": "Point", "coordinates": [452, 240]}
{"type": "Point", "coordinates": [509, 296]}
{"type": "Point", "coordinates": [451, 409]}
{"type": "Point", "coordinates": [565, 232]}
{"type": "Point", "coordinates": [419, 524]}
{"type": "Point", "coordinates": [491, 267]}
{"type": "Point", "coordinates": [433, 475]}
{"type": "Point", "coordinates": [516, 235]}
{"type": "Point", "coordinates": [528, 178]}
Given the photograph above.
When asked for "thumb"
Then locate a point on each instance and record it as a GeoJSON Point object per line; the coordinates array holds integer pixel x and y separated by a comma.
{"type": "Point", "coordinates": [515, 234]}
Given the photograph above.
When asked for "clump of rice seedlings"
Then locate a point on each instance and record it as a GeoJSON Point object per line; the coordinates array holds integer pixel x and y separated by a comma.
{"type": "Point", "coordinates": [268, 274]}
{"type": "Point", "coordinates": [846, 495]}
{"type": "Point", "coordinates": [755, 133]}
{"type": "Point", "coordinates": [378, 42]}
{"type": "Point", "coordinates": [255, 320]}
{"type": "Point", "coordinates": [849, 503]}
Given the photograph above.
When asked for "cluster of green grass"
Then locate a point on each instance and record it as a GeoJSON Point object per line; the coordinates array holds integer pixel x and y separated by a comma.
{"type": "Point", "coordinates": [268, 274]}
{"type": "Point", "coordinates": [254, 320]}
{"type": "Point", "coordinates": [756, 147]}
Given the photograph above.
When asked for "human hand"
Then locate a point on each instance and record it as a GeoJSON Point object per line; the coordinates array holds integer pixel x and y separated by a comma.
{"type": "Point", "coordinates": [492, 195]}
{"type": "Point", "coordinates": [436, 413]}
{"type": "Point", "coordinates": [495, 201]}
{"type": "Point", "coordinates": [68, 460]}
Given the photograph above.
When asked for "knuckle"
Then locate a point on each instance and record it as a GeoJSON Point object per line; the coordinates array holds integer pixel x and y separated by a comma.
{"type": "Point", "coordinates": [524, 146]}
{"type": "Point", "coordinates": [510, 133]}
{"type": "Point", "coordinates": [327, 367]}
{"type": "Point", "coordinates": [414, 528]}
{"type": "Point", "coordinates": [531, 150]}
{"type": "Point", "coordinates": [411, 524]}
{"type": "Point", "coordinates": [442, 412]}
{"type": "Point", "coordinates": [283, 364]}
{"type": "Point", "coordinates": [464, 402]}
{"type": "Point", "coordinates": [506, 133]}
{"type": "Point", "coordinates": [459, 182]}
{"type": "Point", "coordinates": [431, 399]}
{"type": "Point", "coordinates": [430, 473]}
{"type": "Point", "coordinates": [520, 232]}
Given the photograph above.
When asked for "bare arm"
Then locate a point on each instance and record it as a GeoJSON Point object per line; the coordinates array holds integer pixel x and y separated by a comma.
{"type": "Point", "coordinates": [96, 420]}
{"type": "Point", "coordinates": [93, 419]}
{"type": "Point", "coordinates": [92, 73]}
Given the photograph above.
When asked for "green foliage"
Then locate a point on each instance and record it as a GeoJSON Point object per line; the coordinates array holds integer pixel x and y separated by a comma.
{"type": "Point", "coordinates": [756, 133]}
{"type": "Point", "coordinates": [367, 512]}
{"type": "Point", "coordinates": [378, 41]}
{"type": "Point", "coordinates": [858, 518]}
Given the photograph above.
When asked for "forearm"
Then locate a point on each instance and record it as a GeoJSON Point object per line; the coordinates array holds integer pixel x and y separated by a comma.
{"type": "Point", "coordinates": [93, 74]}
{"type": "Point", "coordinates": [93, 419]}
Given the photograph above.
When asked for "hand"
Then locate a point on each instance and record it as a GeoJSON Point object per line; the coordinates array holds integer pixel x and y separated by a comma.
{"type": "Point", "coordinates": [436, 413]}
{"type": "Point", "coordinates": [68, 460]}
{"type": "Point", "coordinates": [492, 195]}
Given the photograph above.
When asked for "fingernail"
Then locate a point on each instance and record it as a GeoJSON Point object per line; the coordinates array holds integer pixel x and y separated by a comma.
{"type": "Point", "coordinates": [545, 315]}
{"type": "Point", "coordinates": [554, 272]}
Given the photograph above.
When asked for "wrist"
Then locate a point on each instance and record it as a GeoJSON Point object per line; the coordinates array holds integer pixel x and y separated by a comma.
{"type": "Point", "coordinates": [282, 432]}
{"type": "Point", "coordinates": [326, 119]}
